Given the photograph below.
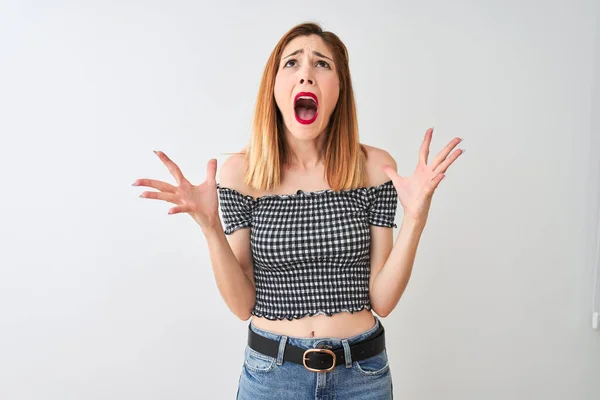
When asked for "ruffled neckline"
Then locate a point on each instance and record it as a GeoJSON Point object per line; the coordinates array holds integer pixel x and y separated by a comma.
{"type": "Point", "coordinates": [301, 193]}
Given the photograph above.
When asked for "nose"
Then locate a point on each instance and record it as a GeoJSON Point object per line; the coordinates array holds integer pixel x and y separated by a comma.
{"type": "Point", "coordinates": [305, 73]}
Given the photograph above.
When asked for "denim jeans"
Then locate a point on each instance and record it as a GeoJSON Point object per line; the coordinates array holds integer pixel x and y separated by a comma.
{"type": "Point", "coordinates": [269, 378]}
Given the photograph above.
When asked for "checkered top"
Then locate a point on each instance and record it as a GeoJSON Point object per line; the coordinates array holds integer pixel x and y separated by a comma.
{"type": "Point", "coordinates": [310, 249]}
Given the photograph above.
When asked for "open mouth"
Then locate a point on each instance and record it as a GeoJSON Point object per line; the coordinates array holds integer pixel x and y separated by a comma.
{"type": "Point", "coordinates": [306, 107]}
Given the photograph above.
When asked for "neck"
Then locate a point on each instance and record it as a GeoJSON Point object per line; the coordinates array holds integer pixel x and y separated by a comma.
{"type": "Point", "coordinates": [306, 154]}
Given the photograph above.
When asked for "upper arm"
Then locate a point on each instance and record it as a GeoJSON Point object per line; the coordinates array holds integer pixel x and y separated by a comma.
{"type": "Point", "coordinates": [382, 239]}
{"type": "Point", "coordinates": [231, 175]}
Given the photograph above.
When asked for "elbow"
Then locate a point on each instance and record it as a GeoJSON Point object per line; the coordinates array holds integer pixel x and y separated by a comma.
{"type": "Point", "coordinates": [242, 308]}
{"type": "Point", "coordinates": [244, 313]}
{"type": "Point", "coordinates": [382, 311]}
{"type": "Point", "coordinates": [244, 316]}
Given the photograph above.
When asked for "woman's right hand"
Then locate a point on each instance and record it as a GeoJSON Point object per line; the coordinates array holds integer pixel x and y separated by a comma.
{"type": "Point", "coordinates": [200, 202]}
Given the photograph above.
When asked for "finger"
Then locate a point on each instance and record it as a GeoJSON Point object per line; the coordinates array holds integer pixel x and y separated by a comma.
{"type": "Point", "coordinates": [173, 168]}
{"type": "Point", "coordinates": [179, 210]}
{"type": "Point", "coordinates": [162, 186]}
{"type": "Point", "coordinates": [445, 151]}
{"type": "Point", "coordinates": [424, 151]}
{"type": "Point", "coordinates": [443, 167]}
{"type": "Point", "coordinates": [434, 182]}
{"type": "Point", "coordinates": [211, 171]}
{"type": "Point", "coordinates": [171, 198]}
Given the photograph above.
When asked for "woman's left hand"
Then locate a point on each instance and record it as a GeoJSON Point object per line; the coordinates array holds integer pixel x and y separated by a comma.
{"type": "Point", "coordinates": [416, 191]}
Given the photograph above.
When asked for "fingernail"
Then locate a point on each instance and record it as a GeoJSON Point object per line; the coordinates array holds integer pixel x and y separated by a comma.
{"type": "Point", "coordinates": [463, 151]}
{"type": "Point", "coordinates": [134, 183]}
{"type": "Point", "coordinates": [155, 152]}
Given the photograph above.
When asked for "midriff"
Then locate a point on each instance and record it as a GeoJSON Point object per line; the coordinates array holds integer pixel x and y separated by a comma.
{"type": "Point", "coordinates": [340, 325]}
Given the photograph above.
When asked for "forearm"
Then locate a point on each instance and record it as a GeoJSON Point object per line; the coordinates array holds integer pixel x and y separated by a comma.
{"type": "Point", "coordinates": [391, 281]}
{"type": "Point", "coordinates": [234, 286]}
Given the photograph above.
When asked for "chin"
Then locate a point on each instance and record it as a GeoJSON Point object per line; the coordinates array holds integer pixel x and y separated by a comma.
{"type": "Point", "coordinates": [305, 134]}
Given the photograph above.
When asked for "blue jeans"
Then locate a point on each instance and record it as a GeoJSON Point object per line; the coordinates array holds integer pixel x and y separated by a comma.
{"type": "Point", "coordinates": [265, 378]}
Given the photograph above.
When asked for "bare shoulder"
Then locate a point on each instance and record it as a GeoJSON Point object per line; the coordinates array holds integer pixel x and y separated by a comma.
{"type": "Point", "coordinates": [231, 173]}
{"type": "Point", "coordinates": [376, 158]}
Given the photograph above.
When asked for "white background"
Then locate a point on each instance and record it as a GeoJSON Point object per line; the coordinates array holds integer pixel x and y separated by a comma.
{"type": "Point", "coordinates": [105, 296]}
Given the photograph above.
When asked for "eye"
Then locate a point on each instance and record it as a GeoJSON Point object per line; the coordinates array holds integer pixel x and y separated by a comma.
{"type": "Point", "coordinates": [324, 63]}
{"type": "Point", "coordinates": [321, 63]}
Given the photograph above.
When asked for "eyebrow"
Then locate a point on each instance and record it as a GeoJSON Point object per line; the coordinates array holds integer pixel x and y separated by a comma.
{"type": "Point", "coordinates": [301, 51]}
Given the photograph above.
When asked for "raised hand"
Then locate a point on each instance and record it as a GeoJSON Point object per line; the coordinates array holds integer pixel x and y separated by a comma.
{"type": "Point", "coordinates": [416, 191]}
{"type": "Point", "coordinates": [200, 202]}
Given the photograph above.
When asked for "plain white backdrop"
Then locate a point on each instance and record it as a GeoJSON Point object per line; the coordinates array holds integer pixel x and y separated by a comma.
{"type": "Point", "coordinates": [105, 296]}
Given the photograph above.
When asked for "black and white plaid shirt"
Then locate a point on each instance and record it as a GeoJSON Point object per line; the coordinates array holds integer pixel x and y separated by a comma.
{"type": "Point", "coordinates": [310, 249]}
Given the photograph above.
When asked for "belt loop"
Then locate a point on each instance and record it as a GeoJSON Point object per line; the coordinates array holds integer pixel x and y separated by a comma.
{"type": "Point", "coordinates": [347, 354]}
{"type": "Point", "coordinates": [280, 353]}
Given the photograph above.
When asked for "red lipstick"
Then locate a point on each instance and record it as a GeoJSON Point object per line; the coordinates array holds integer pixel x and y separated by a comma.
{"type": "Point", "coordinates": [314, 117]}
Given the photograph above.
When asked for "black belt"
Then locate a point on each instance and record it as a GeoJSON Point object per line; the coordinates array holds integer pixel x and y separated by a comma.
{"type": "Point", "coordinates": [319, 360]}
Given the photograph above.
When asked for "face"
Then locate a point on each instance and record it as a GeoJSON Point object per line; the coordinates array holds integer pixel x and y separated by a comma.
{"type": "Point", "coordinates": [306, 86]}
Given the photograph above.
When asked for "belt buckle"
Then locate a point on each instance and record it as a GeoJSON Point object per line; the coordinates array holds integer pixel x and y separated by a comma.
{"type": "Point", "coordinates": [304, 358]}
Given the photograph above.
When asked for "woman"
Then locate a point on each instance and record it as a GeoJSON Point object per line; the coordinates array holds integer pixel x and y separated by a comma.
{"type": "Point", "coordinates": [317, 257]}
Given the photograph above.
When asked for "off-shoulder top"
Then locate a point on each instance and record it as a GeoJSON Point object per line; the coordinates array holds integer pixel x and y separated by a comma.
{"type": "Point", "coordinates": [311, 250]}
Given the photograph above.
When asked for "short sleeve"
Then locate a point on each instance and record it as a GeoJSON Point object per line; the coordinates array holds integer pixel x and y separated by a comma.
{"type": "Point", "coordinates": [236, 209]}
{"type": "Point", "coordinates": [383, 205]}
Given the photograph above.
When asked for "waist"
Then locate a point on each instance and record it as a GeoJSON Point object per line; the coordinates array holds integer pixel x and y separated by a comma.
{"type": "Point", "coordinates": [340, 325]}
